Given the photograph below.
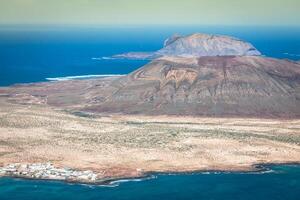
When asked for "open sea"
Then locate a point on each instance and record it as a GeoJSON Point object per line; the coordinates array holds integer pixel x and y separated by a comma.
{"type": "Point", "coordinates": [35, 53]}
{"type": "Point", "coordinates": [42, 53]}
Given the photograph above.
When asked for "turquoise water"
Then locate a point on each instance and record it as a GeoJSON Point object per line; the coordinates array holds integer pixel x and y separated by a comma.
{"type": "Point", "coordinates": [280, 182]}
{"type": "Point", "coordinates": [31, 54]}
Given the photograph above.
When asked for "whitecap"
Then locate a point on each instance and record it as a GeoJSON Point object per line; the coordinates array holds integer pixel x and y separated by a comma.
{"type": "Point", "coordinates": [96, 58]}
{"type": "Point", "coordinates": [118, 182]}
{"type": "Point", "coordinates": [103, 58]}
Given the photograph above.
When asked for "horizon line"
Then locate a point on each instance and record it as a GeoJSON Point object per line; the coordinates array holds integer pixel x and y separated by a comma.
{"type": "Point", "coordinates": [145, 25]}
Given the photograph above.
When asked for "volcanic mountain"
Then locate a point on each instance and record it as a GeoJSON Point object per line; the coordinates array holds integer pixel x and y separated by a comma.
{"type": "Point", "coordinates": [197, 45]}
{"type": "Point", "coordinates": [210, 86]}
{"type": "Point", "coordinates": [201, 75]}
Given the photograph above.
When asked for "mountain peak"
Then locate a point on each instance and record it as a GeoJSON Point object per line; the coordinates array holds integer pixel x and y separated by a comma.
{"type": "Point", "coordinates": [200, 44]}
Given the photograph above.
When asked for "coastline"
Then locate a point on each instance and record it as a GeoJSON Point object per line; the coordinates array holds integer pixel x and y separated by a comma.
{"type": "Point", "coordinates": [134, 146]}
{"type": "Point", "coordinates": [113, 181]}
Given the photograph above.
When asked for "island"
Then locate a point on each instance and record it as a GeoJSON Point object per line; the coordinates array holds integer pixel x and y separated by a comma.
{"type": "Point", "coordinates": [196, 45]}
{"type": "Point", "coordinates": [205, 103]}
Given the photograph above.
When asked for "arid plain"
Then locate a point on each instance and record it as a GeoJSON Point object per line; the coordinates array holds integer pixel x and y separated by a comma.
{"type": "Point", "coordinates": [117, 146]}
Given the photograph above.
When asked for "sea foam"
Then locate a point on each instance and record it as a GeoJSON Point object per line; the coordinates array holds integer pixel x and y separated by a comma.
{"type": "Point", "coordinates": [118, 182]}
{"type": "Point", "coordinates": [104, 58]}
{"type": "Point", "coordinates": [66, 78]}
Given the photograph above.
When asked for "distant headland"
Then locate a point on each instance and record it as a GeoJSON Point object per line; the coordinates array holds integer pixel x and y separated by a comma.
{"type": "Point", "coordinates": [196, 45]}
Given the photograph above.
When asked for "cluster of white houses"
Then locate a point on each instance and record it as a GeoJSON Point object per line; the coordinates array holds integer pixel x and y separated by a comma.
{"type": "Point", "coordinates": [47, 171]}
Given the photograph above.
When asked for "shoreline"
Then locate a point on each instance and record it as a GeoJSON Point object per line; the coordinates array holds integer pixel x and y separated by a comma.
{"type": "Point", "coordinates": [256, 168]}
{"type": "Point", "coordinates": [127, 147]}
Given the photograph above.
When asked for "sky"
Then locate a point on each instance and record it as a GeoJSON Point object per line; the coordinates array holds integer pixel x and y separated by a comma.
{"type": "Point", "coordinates": [152, 12]}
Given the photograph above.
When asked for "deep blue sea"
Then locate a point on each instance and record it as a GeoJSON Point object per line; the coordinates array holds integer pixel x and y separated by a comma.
{"type": "Point", "coordinates": [34, 53]}
{"type": "Point", "coordinates": [279, 183]}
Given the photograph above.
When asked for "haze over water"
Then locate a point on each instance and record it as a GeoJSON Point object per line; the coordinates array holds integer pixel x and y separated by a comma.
{"type": "Point", "coordinates": [32, 54]}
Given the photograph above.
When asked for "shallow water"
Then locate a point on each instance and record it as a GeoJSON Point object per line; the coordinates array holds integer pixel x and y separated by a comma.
{"type": "Point", "coordinates": [281, 182]}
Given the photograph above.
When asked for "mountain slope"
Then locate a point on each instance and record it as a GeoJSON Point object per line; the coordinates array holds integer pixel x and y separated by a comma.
{"type": "Point", "coordinates": [212, 86]}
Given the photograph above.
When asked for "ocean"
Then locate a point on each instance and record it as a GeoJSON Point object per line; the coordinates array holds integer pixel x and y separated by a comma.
{"type": "Point", "coordinates": [280, 182]}
{"type": "Point", "coordinates": [36, 53]}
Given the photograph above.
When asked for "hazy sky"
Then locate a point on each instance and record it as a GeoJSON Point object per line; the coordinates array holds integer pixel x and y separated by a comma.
{"type": "Point", "coordinates": [115, 12]}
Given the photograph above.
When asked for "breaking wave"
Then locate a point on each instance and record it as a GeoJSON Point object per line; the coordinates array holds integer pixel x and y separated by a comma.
{"type": "Point", "coordinates": [66, 78]}
{"type": "Point", "coordinates": [118, 182]}
{"type": "Point", "coordinates": [104, 58]}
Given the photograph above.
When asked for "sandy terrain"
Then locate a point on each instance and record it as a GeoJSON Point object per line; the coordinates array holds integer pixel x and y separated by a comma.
{"type": "Point", "coordinates": [124, 146]}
